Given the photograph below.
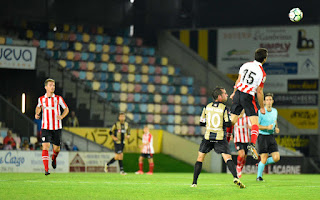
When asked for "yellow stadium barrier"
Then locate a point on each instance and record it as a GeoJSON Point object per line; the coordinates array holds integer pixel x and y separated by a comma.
{"type": "Point", "coordinates": [102, 136]}
{"type": "Point", "coordinates": [301, 118]}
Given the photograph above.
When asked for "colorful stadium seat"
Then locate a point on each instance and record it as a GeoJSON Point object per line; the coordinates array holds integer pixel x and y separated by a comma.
{"type": "Point", "coordinates": [157, 108]}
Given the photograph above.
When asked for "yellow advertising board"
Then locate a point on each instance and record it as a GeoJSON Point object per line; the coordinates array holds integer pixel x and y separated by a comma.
{"type": "Point", "coordinates": [101, 136]}
{"type": "Point", "coordinates": [301, 118]}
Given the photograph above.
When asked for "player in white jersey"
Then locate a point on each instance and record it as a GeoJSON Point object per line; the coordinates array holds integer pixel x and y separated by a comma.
{"type": "Point", "coordinates": [250, 82]}
{"type": "Point", "coordinates": [241, 139]}
{"type": "Point", "coordinates": [147, 151]}
{"type": "Point", "coordinates": [51, 127]}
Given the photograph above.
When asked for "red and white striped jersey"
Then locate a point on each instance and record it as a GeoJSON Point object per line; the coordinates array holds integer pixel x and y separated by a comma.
{"type": "Point", "coordinates": [50, 110]}
{"type": "Point", "coordinates": [147, 141]}
{"type": "Point", "coordinates": [252, 76]}
{"type": "Point", "coordinates": [241, 130]}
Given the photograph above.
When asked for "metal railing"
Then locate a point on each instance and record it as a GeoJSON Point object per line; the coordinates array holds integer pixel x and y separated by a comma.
{"type": "Point", "coordinates": [15, 120]}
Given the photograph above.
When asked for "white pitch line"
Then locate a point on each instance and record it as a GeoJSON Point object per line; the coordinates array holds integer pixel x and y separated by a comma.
{"type": "Point", "coordinates": [120, 183]}
{"type": "Point", "coordinates": [32, 181]}
{"type": "Point", "coordinates": [308, 186]}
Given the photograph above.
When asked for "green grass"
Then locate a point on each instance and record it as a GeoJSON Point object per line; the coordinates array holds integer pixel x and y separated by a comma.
{"type": "Point", "coordinates": [158, 186]}
{"type": "Point", "coordinates": [163, 163]}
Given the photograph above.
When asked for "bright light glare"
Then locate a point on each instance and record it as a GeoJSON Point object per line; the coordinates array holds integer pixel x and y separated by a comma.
{"type": "Point", "coordinates": [131, 30]}
{"type": "Point", "coordinates": [23, 104]}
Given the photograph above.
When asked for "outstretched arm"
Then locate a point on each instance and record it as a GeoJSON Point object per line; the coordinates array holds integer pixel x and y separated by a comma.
{"type": "Point", "coordinates": [235, 89]}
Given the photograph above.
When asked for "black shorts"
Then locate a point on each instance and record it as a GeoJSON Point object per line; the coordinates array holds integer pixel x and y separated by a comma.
{"type": "Point", "coordinates": [267, 144]}
{"type": "Point", "coordinates": [118, 148]}
{"type": "Point", "coordinates": [219, 146]}
{"type": "Point", "coordinates": [243, 146]}
{"type": "Point", "coordinates": [147, 155]}
{"type": "Point", "coordinates": [244, 101]}
{"type": "Point", "coordinates": [51, 136]}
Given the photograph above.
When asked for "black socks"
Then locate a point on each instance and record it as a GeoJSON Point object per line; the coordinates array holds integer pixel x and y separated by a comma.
{"type": "Point", "coordinates": [232, 168]}
{"type": "Point", "coordinates": [120, 165]}
{"type": "Point", "coordinates": [111, 161]}
{"type": "Point", "coordinates": [197, 170]}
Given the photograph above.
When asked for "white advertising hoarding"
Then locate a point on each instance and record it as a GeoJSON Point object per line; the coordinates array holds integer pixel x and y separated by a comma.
{"type": "Point", "coordinates": [30, 161]}
{"type": "Point", "coordinates": [91, 162]}
{"type": "Point", "coordinates": [18, 57]}
{"type": "Point", "coordinates": [293, 52]}
{"type": "Point", "coordinates": [67, 161]}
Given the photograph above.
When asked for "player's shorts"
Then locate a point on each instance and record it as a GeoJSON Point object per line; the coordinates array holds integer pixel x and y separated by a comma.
{"type": "Point", "coordinates": [239, 146]}
{"type": "Point", "coordinates": [51, 136]}
{"type": "Point", "coordinates": [118, 148]}
{"type": "Point", "coordinates": [267, 144]}
{"type": "Point", "coordinates": [244, 101]}
{"type": "Point", "coordinates": [147, 155]}
{"type": "Point", "coordinates": [219, 146]}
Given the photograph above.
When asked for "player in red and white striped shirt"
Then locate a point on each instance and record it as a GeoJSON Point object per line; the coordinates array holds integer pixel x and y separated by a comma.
{"type": "Point", "coordinates": [241, 139]}
{"type": "Point", "coordinates": [147, 151]}
{"type": "Point", "coordinates": [51, 127]}
{"type": "Point", "coordinates": [250, 82]}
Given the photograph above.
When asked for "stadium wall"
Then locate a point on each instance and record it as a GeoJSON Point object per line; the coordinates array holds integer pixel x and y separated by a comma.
{"type": "Point", "coordinates": [101, 136]}
{"type": "Point", "coordinates": [187, 151]}
{"type": "Point", "coordinates": [82, 143]}
{"type": "Point", "coordinates": [163, 142]}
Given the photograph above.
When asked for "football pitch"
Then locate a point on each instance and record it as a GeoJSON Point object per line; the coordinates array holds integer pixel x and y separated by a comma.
{"type": "Point", "coordinates": [157, 186]}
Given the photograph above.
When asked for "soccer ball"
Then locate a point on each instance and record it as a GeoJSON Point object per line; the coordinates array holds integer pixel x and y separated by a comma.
{"type": "Point", "coordinates": [295, 14]}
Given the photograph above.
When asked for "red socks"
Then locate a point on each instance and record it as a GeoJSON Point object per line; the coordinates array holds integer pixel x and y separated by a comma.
{"type": "Point", "coordinates": [241, 162]}
{"type": "Point", "coordinates": [254, 133]}
{"type": "Point", "coordinates": [151, 166]}
{"type": "Point", "coordinates": [45, 159]}
{"type": "Point", "coordinates": [229, 133]}
{"type": "Point", "coordinates": [54, 155]}
{"type": "Point", "coordinates": [140, 166]}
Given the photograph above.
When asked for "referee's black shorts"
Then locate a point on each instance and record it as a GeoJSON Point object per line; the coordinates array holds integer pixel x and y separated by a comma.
{"type": "Point", "coordinates": [244, 101]}
{"type": "Point", "coordinates": [267, 144]}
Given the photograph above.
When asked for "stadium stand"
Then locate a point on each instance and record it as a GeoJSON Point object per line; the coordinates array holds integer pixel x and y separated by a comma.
{"type": "Point", "coordinates": [123, 72]}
